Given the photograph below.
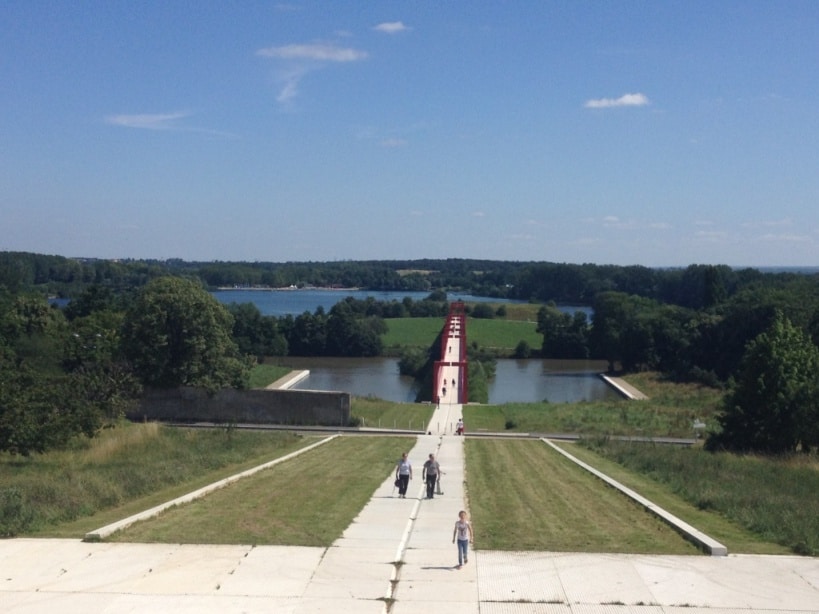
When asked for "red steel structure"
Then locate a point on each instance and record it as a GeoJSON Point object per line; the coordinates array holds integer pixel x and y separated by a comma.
{"type": "Point", "coordinates": [453, 354]}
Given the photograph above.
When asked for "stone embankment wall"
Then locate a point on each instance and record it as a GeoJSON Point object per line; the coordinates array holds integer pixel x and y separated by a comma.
{"type": "Point", "coordinates": [303, 407]}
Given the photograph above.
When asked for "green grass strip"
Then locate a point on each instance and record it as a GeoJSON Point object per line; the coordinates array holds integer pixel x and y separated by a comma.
{"type": "Point", "coordinates": [306, 501]}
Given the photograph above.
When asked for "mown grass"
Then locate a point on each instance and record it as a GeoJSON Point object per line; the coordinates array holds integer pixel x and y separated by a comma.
{"type": "Point", "coordinates": [501, 334]}
{"type": "Point", "coordinates": [737, 538]}
{"type": "Point", "coordinates": [411, 332]}
{"type": "Point", "coordinates": [132, 462]}
{"type": "Point", "coordinates": [262, 375]}
{"type": "Point", "coordinates": [306, 501]}
{"type": "Point", "coordinates": [377, 413]}
{"type": "Point", "coordinates": [670, 412]}
{"type": "Point", "coordinates": [776, 499]}
{"type": "Point", "coordinates": [525, 496]}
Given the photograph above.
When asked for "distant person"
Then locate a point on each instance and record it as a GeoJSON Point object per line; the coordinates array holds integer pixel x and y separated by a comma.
{"type": "Point", "coordinates": [430, 474]}
{"type": "Point", "coordinates": [459, 427]}
{"type": "Point", "coordinates": [463, 534]}
{"type": "Point", "coordinates": [453, 383]}
{"type": "Point", "coordinates": [403, 474]}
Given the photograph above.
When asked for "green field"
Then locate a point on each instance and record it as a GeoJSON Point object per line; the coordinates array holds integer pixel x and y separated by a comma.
{"type": "Point", "coordinates": [499, 334]}
{"type": "Point", "coordinates": [670, 411]}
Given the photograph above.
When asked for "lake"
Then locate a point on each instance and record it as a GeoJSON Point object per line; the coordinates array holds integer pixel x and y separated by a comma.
{"type": "Point", "coordinates": [295, 302]}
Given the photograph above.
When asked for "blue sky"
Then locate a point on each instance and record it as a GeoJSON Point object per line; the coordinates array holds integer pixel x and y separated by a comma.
{"type": "Point", "coordinates": [653, 133]}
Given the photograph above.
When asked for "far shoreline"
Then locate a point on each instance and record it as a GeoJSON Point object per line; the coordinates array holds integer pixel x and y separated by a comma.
{"type": "Point", "coordinates": [283, 289]}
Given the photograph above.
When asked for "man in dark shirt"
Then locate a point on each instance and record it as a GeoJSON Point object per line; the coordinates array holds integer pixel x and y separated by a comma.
{"type": "Point", "coordinates": [430, 474]}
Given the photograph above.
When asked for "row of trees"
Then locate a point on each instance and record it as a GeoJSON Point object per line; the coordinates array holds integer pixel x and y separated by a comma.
{"type": "Point", "coordinates": [70, 369]}
{"type": "Point", "coordinates": [695, 287]}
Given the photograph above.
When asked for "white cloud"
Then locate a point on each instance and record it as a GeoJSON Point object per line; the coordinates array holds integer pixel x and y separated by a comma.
{"type": "Point", "coordinates": [299, 60]}
{"type": "Point", "coordinates": [146, 121]}
{"type": "Point", "coordinates": [391, 27]}
{"type": "Point", "coordinates": [314, 52]}
{"type": "Point", "coordinates": [626, 100]}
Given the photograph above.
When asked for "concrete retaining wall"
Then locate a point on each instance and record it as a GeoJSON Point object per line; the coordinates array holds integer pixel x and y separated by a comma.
{"type": "Point", "coordinates": [304, 407]}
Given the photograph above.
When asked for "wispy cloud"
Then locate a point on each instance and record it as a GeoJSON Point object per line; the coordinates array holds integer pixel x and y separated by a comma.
{"type": "Point", "coordinates": [162, 122]}
{"type": "Point", "coordinates": [626, 100]}
{"type": "Point", "coordinates": [314, 52]}
{"type": "Point", "coordinates": [391, 27]}
{"type": "Point", "coordinates": [298, 60]}
{"type": "Point", "coordinates": [147, 121]}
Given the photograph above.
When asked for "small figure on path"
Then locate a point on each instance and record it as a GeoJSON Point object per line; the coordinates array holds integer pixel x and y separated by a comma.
{"type": "Point", "coordinates": [403, 474]}
{"type": "Point", "coordinates": [430, 474]}
{"type": "Point", "coordinates": [463, 533]}
{"type": "Point", "coordinates": [459, 427]}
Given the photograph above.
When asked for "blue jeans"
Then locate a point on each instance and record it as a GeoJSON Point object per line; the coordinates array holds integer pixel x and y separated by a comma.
{"type": "Point", "coordinates": [463, 546]}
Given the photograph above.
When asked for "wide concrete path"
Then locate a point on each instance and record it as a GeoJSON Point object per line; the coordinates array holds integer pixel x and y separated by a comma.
{"type": "Point", "coordinates": [397, 556]}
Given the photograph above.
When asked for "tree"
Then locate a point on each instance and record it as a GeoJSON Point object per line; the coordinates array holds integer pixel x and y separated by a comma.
{"type": "Point", "coordinates": [256, 334]}
{"type": "Point", "coordinates": [176, 334]}
{"type": "Point", "coordinates": [564, 335]}
{"type": "Point", "coordinates": [348, 335]}
{"type": "Point", "coordinates": [772, 407]}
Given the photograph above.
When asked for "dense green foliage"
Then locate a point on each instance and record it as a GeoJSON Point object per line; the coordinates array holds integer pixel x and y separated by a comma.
{"type": "Point", "coordinates": [58, 377]}
{"type": "Point", "coordinates": [177, 334]}
{"type": "Point", "coordinates": [773, 405]}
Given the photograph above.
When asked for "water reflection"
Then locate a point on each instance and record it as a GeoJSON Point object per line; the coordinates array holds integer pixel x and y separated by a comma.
{"type": "Point", "coordinates": [516, 381]}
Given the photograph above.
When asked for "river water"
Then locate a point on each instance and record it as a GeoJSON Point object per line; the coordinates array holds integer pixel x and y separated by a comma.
{"type": "Point", "coordinates": [516, 381]}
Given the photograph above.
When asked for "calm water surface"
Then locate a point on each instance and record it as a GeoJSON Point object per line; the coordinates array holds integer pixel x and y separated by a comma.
{"type": "Point", "coordinates": [295, 302]}
{"type": "Point", "coordinates": [516, 381]}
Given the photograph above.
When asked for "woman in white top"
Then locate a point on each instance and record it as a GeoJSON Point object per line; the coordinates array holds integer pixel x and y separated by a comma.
{"type": "Point", "coordinates": [403, 474]}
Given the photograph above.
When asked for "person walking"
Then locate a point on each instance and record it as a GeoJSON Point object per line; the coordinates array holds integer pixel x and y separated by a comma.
{"type": "Point", "coordinates": [459, 427]}
{"type": "Point", "coordinates": [463, 534]}
{"type": "Point", "coordinates": [403, 475]}
{"type": "Point", "coordinates": [430, 474]}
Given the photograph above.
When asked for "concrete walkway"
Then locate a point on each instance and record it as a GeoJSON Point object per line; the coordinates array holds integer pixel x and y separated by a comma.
{"type": "Point", "coordinates": [397, 556]}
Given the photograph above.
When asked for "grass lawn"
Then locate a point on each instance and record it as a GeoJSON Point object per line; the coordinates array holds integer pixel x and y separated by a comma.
{"type": "Point", "coordinates": [125, 470]}
{"type": "Point", "coordinates": [739, 540]}
{"type": "Point", "coordinates": [670, 411]}
{"type": "Point", "coordinates": [377, 413]}
{"type": "Point", "coordinates": [525, 496]}
{"type": "Point", "coordinates": [263, 375]}
{"type": "Point", "coordinates": [501, 334]}
{"type": "Point", "coordinates": [307, 501]}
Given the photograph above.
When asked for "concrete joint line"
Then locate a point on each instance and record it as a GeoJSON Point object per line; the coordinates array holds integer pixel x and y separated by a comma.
{"type": "Point", "coordinates": [112, 528]}
{"type": "Point", "coordinates": [711, 545]}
